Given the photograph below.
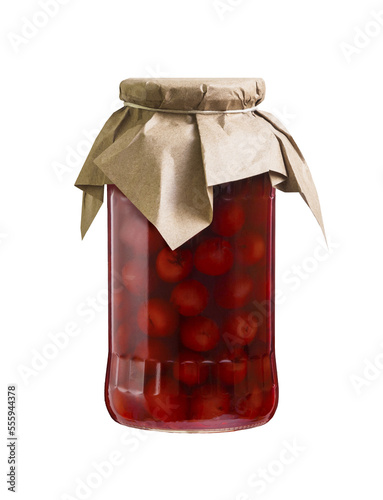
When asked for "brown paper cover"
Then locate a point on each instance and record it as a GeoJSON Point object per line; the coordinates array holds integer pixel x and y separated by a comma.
{"type": "Point", "coordinates": [166, 164]}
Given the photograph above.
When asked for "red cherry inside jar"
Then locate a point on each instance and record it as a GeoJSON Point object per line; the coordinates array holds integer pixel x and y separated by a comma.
{"type": "Point", "coordinates": [191, 330]}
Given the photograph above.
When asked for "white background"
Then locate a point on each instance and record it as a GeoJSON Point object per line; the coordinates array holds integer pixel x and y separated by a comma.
{"type": "Point", "coordinates": [324, 80]}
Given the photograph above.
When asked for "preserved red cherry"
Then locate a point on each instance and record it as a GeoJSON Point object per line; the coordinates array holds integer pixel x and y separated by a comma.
{"type": "Point", "coordinates": [234, 290]}
{"type": "Point", "coordinates": [190, 297]}
{"type": "Point", "coordinates": [240, 328]}
{"type": "Point", "coordinates": [152, 348]}
{"type": "Point", "coordinates": [190, 369]}
{"type": "Point", "coordinates": [140, 235]}
{"type": "Point", "coordinates": [249, 405]}
{"type": "Point", "coordinates": [229, 217]}
{"type": "Point", "coordinates": [174, 265]}
{"type": "Point", "coordinates": [250, 248]}
{"type": "Point", "coordinates": [214, 256]}
{"type": "Point", "coordinates": [166, 400]}
{"type": "Point", "coordinates": [155, 352]}
{"type": "Point", "coordinates": [137, 277]}
{"type": "Point", "coordinates": [199, 333]}
{"type": "Point", "coordinates": [232, 367]}
{"type": "Point", "coordinates": [128, 405]}
{"type": "Point", "coordinates": [209, 401]}
{"type": "Point", "coordinates": [158, 318]}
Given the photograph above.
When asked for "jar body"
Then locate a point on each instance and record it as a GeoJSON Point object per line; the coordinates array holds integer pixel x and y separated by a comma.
{"type": "Point", "coordinates": [191, 331]}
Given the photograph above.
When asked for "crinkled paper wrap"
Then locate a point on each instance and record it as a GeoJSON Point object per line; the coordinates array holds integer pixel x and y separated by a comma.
{"type": "Point", "coordinates": [167, 164]}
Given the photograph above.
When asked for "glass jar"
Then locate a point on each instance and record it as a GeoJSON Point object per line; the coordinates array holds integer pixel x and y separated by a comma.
{"type": "Point", "coordinates": [191, 331]}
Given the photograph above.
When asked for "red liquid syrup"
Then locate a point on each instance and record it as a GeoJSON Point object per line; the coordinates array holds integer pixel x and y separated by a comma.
{"type": "Point", "coordinates": [191, 331]}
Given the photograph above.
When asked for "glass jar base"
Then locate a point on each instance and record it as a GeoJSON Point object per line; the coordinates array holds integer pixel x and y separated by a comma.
{"type": "Point", "coordinates": [225, 423]}
{"type": "Point", "coordinates": [199, 431]}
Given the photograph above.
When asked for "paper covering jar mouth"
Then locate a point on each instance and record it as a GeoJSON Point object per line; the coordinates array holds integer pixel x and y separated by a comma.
{"type": "Point", "coordinates": [216, 94]}
{"type": "Point", "coordinates": [167, 163]}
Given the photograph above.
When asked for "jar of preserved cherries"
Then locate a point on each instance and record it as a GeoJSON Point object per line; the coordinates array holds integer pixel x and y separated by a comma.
{"type": "Point", "coordinates": [191, 297]}
{"type": "Point", "coordinates": [192, 329]}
